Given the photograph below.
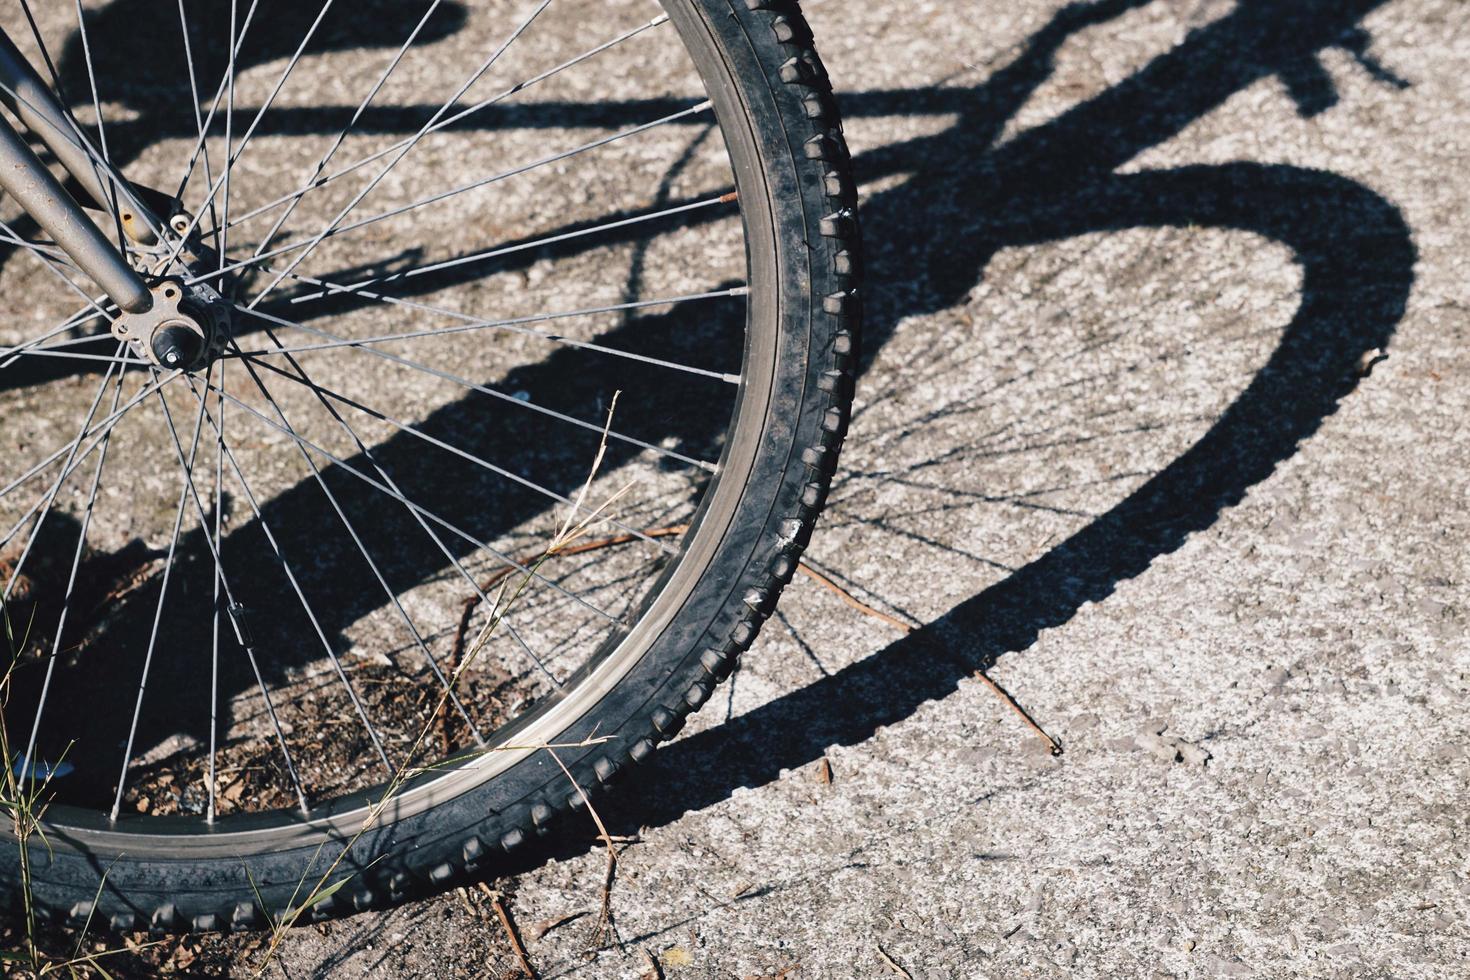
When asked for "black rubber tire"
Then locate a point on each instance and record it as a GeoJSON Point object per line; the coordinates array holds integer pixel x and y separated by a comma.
{"type": "Point", "coordinates": [775, 105]}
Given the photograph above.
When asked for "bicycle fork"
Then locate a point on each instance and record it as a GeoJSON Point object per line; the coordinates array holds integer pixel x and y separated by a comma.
{"type": "Point", "coordinates": [171, 323]}
{"type": "Point", "coordinates": [42, 196]}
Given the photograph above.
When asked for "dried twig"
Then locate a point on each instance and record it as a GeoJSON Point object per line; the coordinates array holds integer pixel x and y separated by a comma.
{"type": "Point", "coordinates": [570, 530]}
{"type": "Point", "coordinates": [821, 579]}
{"type": "Point", "coordinates": [779, 975]}
{"type": "Point", "coordinates": [1004, 695]}
{"type": "Point", "coordinates": [510, 933]}
{"type": "Point", "coordinates": [889, 962]}
{"type": "Point", "coordinates": [541, 928]}
{"type": "Point", "coordinates": [853, 600]}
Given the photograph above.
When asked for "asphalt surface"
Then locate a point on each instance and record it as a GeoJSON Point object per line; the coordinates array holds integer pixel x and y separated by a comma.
{"type": "Point", "coordinates": [1162, 425]}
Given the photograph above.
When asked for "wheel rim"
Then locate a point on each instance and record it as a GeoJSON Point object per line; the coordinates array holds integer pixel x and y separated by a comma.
{"type": "Point", "coordinates": [354, 441]}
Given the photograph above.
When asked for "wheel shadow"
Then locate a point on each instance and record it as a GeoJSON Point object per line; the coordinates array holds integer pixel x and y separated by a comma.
{"type": "Point", "coordinates": [1052, 182]}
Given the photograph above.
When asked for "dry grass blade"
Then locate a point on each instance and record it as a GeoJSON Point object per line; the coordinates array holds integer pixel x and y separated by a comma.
{"type": "Point", "coordinates": [24, 802]}
{"type": "Point", "coordinates": [867, 610]}
{"type": "Point", "coordinates": [570, 531]}
{"type": "Point", "coordinates": [604, 918]}
{"type": "Point", "coordinates": [445, 718]}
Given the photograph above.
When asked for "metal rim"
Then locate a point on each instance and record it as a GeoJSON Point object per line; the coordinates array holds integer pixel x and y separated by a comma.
{"type": "Point", "coordinates": [98, 831]}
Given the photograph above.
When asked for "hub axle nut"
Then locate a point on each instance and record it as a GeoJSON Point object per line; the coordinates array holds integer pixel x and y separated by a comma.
{"type": "Point", "coordinates": [176, 346]}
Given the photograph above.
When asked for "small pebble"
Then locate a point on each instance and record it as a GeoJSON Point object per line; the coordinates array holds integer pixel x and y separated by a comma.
{"type": "Point", "coordinates": [1193, 754]}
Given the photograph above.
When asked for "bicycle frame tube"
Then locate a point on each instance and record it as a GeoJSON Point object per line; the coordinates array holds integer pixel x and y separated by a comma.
{"type": "Point", "coordinates": [41, 195]}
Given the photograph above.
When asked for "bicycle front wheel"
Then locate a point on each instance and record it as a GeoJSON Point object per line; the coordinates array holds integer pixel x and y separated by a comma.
{"type": "Point", "coordinates": [542, 319]}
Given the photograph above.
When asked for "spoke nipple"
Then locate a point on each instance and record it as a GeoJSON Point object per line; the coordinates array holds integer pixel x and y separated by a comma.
{"type": "Point", "coordinates": [242, 628]}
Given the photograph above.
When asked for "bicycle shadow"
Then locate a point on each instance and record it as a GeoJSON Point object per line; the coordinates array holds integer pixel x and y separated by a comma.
{"type": "Point", "coordinates": [1052, 182]}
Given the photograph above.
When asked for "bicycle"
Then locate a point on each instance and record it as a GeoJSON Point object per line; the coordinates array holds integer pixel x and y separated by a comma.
{"type": "Point", "coordinates": [222, 582]}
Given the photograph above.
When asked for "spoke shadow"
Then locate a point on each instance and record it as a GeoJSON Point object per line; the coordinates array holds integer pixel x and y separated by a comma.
{"type": "Point", "coordinates": [265, 31]}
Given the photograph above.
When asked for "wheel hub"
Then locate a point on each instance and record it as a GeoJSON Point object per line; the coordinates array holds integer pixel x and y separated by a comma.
{"type": "Point", "coordinates": [186, 329]}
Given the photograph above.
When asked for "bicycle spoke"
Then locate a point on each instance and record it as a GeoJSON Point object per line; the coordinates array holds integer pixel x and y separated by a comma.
{"type": "Point", "coordinates": [86, 523]}
{"type": "Point", "coordinates": [219, 94]}
{"type": "Point", "coordinates": [97, 431]}
{"type": "Point", "coordinates": [75, 356]}
{"type": "Point", "coordinates": [45, 252]}
{"type": "Point", "coordinates": [168, 565]}
{"type": "Point", "coordinates": [450, 121]}
{"type": "Point", "coordinates": [511, 325]}
{"type": "Point", "coordinates": [351, 123]}
{"type": "Point", "coordinates": [367, 453]}
{"type": "Point", "coordinates": [316, 474]}
{"type": "Point", "coordinates": [198, 119]}
{"type": "Point", "coordinates": [246, 644]}
{"type": "Point", "coordinates": [428, 92]}
{"type": "Point", "coordinates": [521, 403]}
{"type": "Point", "coordinates": [347, 467]}
{"type": "Point", "coordinates": [219, 507]}
{"type": "Point", "coordinates": [223, 237]}
{"type": "Point", "coordinates": [66, 280]}
{"type": "Point", "coordinates": [242, 635]}
{"type": "Point", "coordinates": [232, 157]}
{"type": "Point", "coordinates": [372, 184]}
{"type": "Point", "coordinates": [285, 567]}
{"type": "Point", "coordinates": [13, 353]}
{"type": "Point", "coordinates": [55, 487]}
{"type": "Point", "coordinates": [519, 247]}
{"type": "Point", "coordinates": [61, 345]}
{"type": "Point", "coordinates": [106, 176]}
{"type": "Point", "coordinates": [25, 7]}
{"type": "Point", "coordinates": [51, 264]}
{"type": "Point", "coordinates": [334, 229]}
{"type": "Point", "coordinates": [461, 453]}
{"type": "Point", "coordinates": [122, 238]}
{"type": "Point", "coordinates": [215, 187]}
